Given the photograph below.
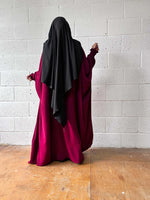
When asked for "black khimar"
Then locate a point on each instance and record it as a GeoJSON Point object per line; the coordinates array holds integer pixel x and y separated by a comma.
{"type": "Point", "coordinates": [61, 63]}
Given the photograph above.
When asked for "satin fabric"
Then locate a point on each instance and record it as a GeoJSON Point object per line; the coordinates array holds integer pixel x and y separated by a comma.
{"type": "Point", "coordinates": [62, 57]}
{"type": "Point", "coordinates": [51, 141]}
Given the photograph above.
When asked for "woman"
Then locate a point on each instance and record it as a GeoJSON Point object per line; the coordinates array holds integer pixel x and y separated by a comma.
{"type": "Point", "coordinates": [63, 127]}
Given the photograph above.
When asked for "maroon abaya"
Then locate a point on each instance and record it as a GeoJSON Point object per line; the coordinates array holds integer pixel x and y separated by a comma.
{"type": "Point", "coordinates": [53, 142]}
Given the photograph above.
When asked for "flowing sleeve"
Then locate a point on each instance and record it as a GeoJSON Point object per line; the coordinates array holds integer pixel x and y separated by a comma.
{"type": "Point", "coordinates": [32, 75]}
{"type": "Point", "coordinates": [91, 58]}
{"type": "Point", "coordinates": [86, 94]}
{"type": "Point", "coordinates": [88, 63]}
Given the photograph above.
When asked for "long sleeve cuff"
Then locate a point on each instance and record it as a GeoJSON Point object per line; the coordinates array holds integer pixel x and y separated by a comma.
{"type": "Point", "coordinates": [93, 52]}
{"type": "Point", "coordinates": [32, 75]}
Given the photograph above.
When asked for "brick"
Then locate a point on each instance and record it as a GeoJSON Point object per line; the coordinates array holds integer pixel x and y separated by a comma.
{"type": "Point", "coordinates": [6, 4]}
{"type": "Point", "coordinates": [132, 43]}
{"type": "Point", "coordinates": [107, 9]}
{"type": "Point", "coordinates": [133, 75]}
{"type": "Point", "coordinates": [90, 28]}
{"type": "Point", "coordinates": [145, 75]}
{"type": "Point", "coordinates": [13, 109]}
{"type": "Point", "coordinates": [27, 3]}
{"type": "Point", "coordinates": [144, 92]}
{"type": "Point", "coordinates": [17, 78]}
{"type": "Point", "coordinates": [98, 92]}
{"type": "Point", "coordinates": [26, 94]}
{"type": "Point", "coordinates": [122, 92]}
{"type": "Point", "coordinates": [136, 108]}
{"type": "Point", "coordinates": [6, 94]}
{"type": "Point", "coordinates": [102, 76]}
{"type": "Point", "coordinates": [128, 140]}
{"type": "Point", "coordinates": [12, 47]}
{"type": "Point", "coordinates": [146, 59]}
{"type": "Point", "coordinates": [124, 60]}
{"type": "Point", "coordinates": [33, 108]}
{"type": "Point", "coordinates": [6, 123]}
{"type": "Point", "coordinates": [28, 31]}
{"type": "Point", "coordinates": [6, 16]}
{"type": "Point", "coordinates": [9, 16]}
{"type": "Point", "coordinates": [144, 125]}
{"type": "Point", "coordinates": [84, 43]}
{"type": "Point", "coordinates": [106, 140]}
{"type": "Point", "coordinates": [137, 8]}
{"type": "Point", "coordinates": [74, 11]}
{"type": "Point", "coordinates": [142, 141]}
{"type": "Point", "coordinates": [67, 11]}
{"type": "Point", "coordinates": [6, 32]}
{"type": "Point", "coordinates": [114, 43]}
{"type": "Point", "coordinates": [146, 25]}
{"type": "Point", "coordinates": [121, 124]}
{"type": "Point", "coordinates": [15, 138]}
{"type": "Point", "coordinates": [20, 15]}
{"type": "Point", "coordinates": [42, 15]}
{"type": "Point", "coordinates": [7, 62]}
{"type": "Point", "coordinates": [35, 47]}
{"type": "Point", "coordinates": [106, 108]}
{"type": "Point", "coordinates": [25, 123]}
{"type": "Point", "coordinates": [27, 62]}
{"type": "Point", "coordinates": [99, 125]}
{"type": "Point", "coordinates": [124, 26]}
{"type": "Point", "coordinates": [145, 42]}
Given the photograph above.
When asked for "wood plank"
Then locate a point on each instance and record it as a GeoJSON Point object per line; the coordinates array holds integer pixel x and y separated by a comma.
{"type": "Point", "coordinates": [105, 174]}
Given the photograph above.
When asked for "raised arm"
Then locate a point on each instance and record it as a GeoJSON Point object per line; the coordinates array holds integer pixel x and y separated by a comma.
{"type": "Point", "coordinates": [90, 57]}
{"type": "Point", "coordinates": [86, 70]}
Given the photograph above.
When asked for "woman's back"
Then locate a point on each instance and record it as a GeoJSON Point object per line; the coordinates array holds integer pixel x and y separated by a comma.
{"type": "Point", "coordinates": [52, 139]}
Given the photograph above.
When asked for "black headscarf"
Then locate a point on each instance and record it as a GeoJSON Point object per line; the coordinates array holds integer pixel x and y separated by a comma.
{"type": "Point", "coordinates": [61, 62]}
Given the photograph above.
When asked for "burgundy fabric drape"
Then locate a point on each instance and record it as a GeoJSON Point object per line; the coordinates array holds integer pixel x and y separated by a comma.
{"type": "Point", "coordinates": [50, 140]}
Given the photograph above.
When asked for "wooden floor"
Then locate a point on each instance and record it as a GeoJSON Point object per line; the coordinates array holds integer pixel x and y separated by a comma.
{"type": "Point", "coordinates": [105, 174]}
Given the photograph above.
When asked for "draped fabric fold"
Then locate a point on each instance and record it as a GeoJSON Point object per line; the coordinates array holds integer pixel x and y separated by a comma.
{"type": "Point", "coordinates": [61, 63]}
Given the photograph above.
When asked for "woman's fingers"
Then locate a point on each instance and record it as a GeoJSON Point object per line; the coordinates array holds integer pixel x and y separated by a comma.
{"type": "Point", "coordinates": [29, 78]}
{"type": "Point", "coordinates": [95, 46]}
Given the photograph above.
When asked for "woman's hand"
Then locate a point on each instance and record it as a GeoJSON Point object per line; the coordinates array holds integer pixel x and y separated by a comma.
{"type": "Point", "coordinates": [29, 78]}
{"type": "Point", "coordinates": [95, 46]}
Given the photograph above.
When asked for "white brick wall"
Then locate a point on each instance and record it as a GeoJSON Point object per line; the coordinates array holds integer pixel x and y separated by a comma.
{"type": "Point", "coordinates": [121, 75]}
